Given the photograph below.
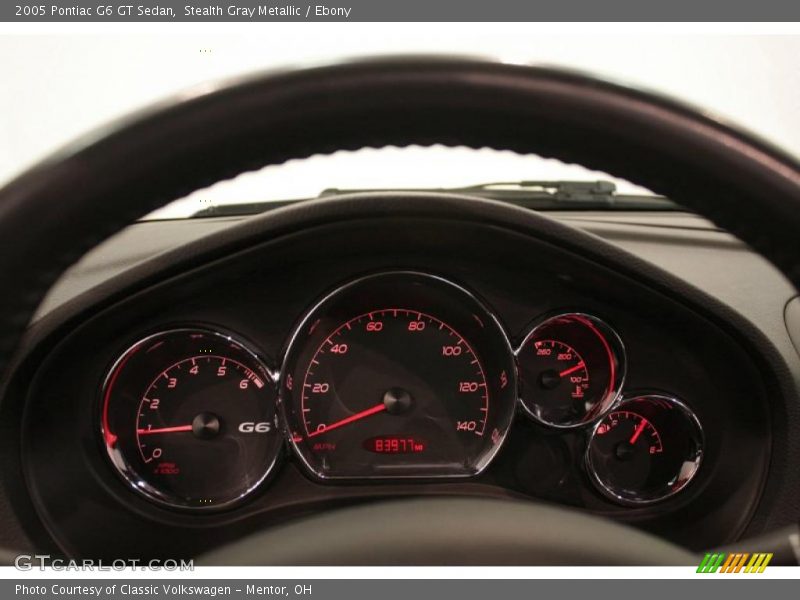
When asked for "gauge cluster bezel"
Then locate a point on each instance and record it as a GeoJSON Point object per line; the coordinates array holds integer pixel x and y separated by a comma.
{"type": "Point", "coordinates": [346, 300]}
{"type": "Point", "coordinates": [247, 294]}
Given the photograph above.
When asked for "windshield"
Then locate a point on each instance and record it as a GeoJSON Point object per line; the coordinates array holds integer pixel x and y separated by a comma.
{"type": "Point", "coordinates": [88, 80]}
{"type": "Point", "coordinates": [388, 168]}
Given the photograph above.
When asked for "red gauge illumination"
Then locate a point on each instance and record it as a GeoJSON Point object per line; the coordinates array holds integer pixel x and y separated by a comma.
{"type": "Point", "coordinates": [632, 430]}
{"type": "Point", "coordinates": [645, 451]}
{"type": "Point", "coordinates": [341, 387]}
{"type": "Point", "coordinates": [394, 444]}
{"type": "Point", "coordinates": [562, 366]}
{"type": "Point", "coordinates": [571, 370]}
{"type": "Point", "coordinates": [189, 419]}
{"type": "Point", "coordinates": [398, 375]}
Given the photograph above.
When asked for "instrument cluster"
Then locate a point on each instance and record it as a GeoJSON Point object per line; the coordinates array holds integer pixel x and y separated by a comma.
{"type": "Point", "coordinates": [395, 375]}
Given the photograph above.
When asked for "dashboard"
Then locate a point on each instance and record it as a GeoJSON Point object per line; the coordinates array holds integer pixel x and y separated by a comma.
{"type": "Point", "coordinates": [231, 385]}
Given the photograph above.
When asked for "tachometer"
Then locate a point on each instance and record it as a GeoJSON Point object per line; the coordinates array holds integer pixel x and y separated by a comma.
{"type": "Point", "coordinates": [398, 375]}
{"type": "Point", "coordinates": [189, 419]}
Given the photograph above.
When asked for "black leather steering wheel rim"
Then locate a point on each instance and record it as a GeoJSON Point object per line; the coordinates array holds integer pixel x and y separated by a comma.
{"type": "Point", "coordinates": [54, 213]}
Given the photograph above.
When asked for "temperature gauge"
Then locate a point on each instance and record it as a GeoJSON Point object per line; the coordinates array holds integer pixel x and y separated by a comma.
{"type": "Point", "coordinates": [571, 370]}
{"type": "Point", "coordinates": [645, 451]}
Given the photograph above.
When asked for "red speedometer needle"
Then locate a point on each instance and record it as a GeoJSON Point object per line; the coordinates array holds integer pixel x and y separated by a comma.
{"type": "Point", "coordinates": [638, 432]}
{"type": "Point", "coordinates": [164, 430]}
{"type": "Point", "coordinates": [356, 417]}
{"type": "Point", "coordinates": [577, 367]}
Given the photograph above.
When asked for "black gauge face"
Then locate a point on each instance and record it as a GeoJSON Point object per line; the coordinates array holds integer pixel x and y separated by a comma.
{"type": "Point", "coordinates": [398, 375]}
{"type": "Point", "coordinates": [189, 419]}
{"type": "Point", "coordinates": [571, 370]}
{"type": "Point", "coordinates": [646, 450]}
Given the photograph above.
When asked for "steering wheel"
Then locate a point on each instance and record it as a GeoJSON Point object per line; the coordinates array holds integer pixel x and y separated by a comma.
{"type": "Point", "coordinates": [57, 211]}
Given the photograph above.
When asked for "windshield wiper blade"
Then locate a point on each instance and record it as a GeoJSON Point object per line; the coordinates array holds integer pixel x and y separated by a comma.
{"type": "Point", "coordinates": [241, 209]}
{"type": "Point", "coordinates": [535, 195]}
{"type": "Point", "coordinates": [547, 195]}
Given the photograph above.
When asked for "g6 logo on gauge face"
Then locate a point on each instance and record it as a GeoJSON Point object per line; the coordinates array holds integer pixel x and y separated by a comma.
{"type": "Point", "coordinates": [398, 375]}
{"type": "Point", "coordinates": [250, 427]}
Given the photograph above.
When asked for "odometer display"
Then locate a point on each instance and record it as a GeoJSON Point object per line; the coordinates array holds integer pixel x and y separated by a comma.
{"type": "Point", "coordinates": [394, 444]}
{"type": "Point", "coordinates": [420, 387]}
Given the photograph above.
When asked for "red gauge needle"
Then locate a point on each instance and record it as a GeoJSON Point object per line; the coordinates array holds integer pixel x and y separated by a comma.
{"type": "Point", "coordinates": [356, 417]}
{"type": "Point", "coordinates": [164, 430]}
{"type": "Point", "coordinates": [577, 367]}
{"type": "Point", "coordinates": [638, 432]}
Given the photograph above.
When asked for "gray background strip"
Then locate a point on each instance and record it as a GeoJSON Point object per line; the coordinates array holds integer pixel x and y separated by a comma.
{"type": "Point", "coordinates": [407, 10]}
{"type": "Point", "coordinates": [710, 586]}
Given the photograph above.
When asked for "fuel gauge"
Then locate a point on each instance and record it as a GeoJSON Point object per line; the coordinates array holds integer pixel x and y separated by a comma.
{"type": "Point", "coordinates": [648, 449]}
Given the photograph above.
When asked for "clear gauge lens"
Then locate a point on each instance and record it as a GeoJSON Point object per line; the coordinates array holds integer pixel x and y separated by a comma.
{"type": "Point", "coordinates": [398, 375]}
{"type": "Point", "coordinates": [647, 449]}
{"type": "Point", "coordinates": [571, 370]}
{"type": "Point", "coordinates": [189, 419]}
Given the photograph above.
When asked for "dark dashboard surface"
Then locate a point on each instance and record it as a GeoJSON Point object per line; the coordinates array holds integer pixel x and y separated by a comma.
{"type": "Point", "coordinates": [260, 293]}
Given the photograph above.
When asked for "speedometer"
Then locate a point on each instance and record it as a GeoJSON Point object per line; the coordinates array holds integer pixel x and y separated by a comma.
{"type": "Point", "coordinates": [398, 375]}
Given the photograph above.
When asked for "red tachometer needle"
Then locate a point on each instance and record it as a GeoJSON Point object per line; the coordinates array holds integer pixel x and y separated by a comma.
{"type": "Point", "coordinates": [164, 430]}
{"type": "Point", "coordinates": [356, 417]}
{"type": "Point", "coordinates": [638, 432]}
{"type": "Point", "coordinates": [577, 367]}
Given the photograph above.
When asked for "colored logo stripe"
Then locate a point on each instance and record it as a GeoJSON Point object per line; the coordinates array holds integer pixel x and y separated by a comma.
{"type": "Point", "coordinates": [758, 563]}
{"type": "Point", "coordinates": [734, 563]}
